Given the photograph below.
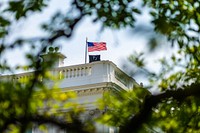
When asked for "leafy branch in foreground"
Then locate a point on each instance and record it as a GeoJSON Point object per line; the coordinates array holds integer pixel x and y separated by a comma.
{"type": "Point", "coordinates": [30, 101]}
{"type": "Point", "coordinates": [151, 101]}
{"type": "Point", "coordinates": [140, 111]}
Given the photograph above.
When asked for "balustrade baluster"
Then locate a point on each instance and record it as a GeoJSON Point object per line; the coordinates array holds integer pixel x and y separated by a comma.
{"type": "Point", "coordinates": [74, 72]}
{"type": "Point", "coordinates": [78, 72]}
{"type": "Point", "coordinates": [71, 73]}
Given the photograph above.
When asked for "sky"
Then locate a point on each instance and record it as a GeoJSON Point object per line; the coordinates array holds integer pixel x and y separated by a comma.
{"type": "Point", "coordinates": [120, 43]}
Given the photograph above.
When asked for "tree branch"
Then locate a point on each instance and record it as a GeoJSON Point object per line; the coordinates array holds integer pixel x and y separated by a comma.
{"type": "Point", "coordinates": [141, 117]}
{"type": "Point", "coordinates": [76, 126]}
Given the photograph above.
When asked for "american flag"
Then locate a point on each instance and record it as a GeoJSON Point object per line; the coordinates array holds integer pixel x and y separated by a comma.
{"type": "Point", "coordinates": [96, 46]}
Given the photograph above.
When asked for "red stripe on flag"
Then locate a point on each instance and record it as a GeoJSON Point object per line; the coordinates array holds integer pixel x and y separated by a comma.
{"type": "Point", "coordinates": [98, 46]}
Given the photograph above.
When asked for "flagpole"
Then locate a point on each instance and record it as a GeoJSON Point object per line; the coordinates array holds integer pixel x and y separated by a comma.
{"type": "Point", "coordinates": [86, 51]}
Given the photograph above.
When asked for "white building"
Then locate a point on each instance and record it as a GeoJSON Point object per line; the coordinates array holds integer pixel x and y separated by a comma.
{"type": "Point", "coordinates": [89, 81]}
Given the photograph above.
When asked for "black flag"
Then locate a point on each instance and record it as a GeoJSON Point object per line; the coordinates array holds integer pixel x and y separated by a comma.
{"type": "Point", "coordinates": [93, 58]}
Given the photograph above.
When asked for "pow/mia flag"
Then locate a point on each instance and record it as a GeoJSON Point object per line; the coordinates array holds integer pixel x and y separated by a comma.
{"type": "Point", "coordinates": [93, 58]}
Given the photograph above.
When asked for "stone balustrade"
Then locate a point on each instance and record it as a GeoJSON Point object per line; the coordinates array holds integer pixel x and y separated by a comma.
{"type": "Point", "coordinates": [77, 75]}
{"type": "Point", "coordinates": [63, 72]}
{"type": "Point", "coordinates": [73, 72]}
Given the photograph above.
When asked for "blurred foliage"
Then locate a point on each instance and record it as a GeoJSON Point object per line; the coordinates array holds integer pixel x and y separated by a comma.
{"type": "Point", "coordinates": [28, 102]}
{"type": "Point", "coordinates": [21, 8]}
{"type": "Point", "coordinates": [174, 109]}
{"type": "Point", "coordinates": [172, 116]}
{"type": "Point", "coordinates": [121, 106]}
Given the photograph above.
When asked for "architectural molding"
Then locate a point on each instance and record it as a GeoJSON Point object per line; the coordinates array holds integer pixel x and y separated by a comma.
{"type": "Point", "coordinates": [89, 92]}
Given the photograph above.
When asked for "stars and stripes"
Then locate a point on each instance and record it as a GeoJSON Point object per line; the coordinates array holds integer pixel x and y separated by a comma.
{"type": "Point", "coordinates": [96, 46]}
